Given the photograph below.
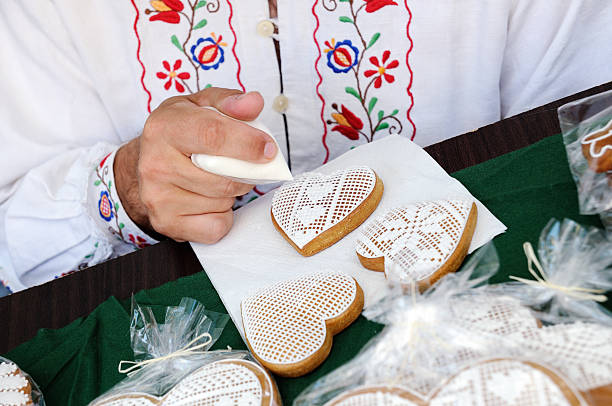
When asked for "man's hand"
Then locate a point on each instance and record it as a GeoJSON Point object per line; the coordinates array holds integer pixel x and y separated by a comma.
{"type": "Point", "coordinates": [161, 189]}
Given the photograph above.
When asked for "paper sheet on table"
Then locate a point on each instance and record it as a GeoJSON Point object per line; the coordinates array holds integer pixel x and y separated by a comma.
{"type": "Point", "coordinates": [254, 255]}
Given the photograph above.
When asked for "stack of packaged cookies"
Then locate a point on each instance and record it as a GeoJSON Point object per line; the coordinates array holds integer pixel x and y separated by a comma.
{"type": "Point", "coordinates": [587, 135]}
{"type": "Point", "coordinates": [467, 343]}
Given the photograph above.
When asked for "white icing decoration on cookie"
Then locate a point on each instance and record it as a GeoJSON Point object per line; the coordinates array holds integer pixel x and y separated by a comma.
{"type": "Point", "coordinates": [13, 386]}
{"type": "Point", "coordinates": [14, 399]}
{"type": "Point", "coordinates": [285, 323]}
{"type": "Point", "coordinates": [606, 132]}
{"type": "Point", "coordinates": [501, 383]}
{"type": "Point", "coordinates": [417, 238]}
{"type": "Point", "coordinates": [580, 351]}
{"type": "Point", "coordinates": [493, 314]}
{"type": "Point", "coordinates": [227, 382]}
{"type": "Point", "coordinates": [7, 369]}
{"type": "Point", "coordinates": [373, 398]}
{"type": "Point", "coordinates": [322, 201]}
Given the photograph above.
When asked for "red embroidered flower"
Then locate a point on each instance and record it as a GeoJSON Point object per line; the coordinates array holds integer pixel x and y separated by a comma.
{"type": "Point", "coordinates": [348, 124]}
{"type": "Point", "coordinates": [138, 241]}
{"type": "Point", "coordinates": [374, 5]}
{"type": "Point", "coordinates": [172, 75]}
{"type": "Point", "coordinates": [166, 11]}
{"type": "Point", "coordinates": [382, 69]}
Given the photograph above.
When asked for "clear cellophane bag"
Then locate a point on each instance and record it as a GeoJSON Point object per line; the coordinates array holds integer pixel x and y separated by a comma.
{"type": "Point", "coordinates": [172, 360]}
{"type": "Point", "coordinates": [586, 125]}
{"type": "Point", "coordinates": [15, 390]}
{"type": "Point", "coordinates": [462, 342]}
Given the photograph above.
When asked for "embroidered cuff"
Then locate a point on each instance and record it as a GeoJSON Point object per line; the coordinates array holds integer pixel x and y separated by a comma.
{"type": "Point", "coordinates": [106, 208]}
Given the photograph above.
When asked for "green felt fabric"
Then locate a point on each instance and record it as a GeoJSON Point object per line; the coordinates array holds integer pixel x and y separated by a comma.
{"type": "Point", "coordinates": [524, 189]}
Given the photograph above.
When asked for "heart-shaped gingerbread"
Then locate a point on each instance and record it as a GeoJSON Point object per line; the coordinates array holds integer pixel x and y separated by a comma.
{"type": "Point", "coordinates": [424, 241]}
{"type": "Point", "coordinates": [597, 148]}
{"type": "Point", "coordinates": [507, 382]}
{"type": "Point", "coordinates": [498, 382]}
{"type": "Point", "coordinates": [289, 326]}
{"type": "Point", "coordinates": [315, 211]}
{"type": "Point", "coordinates": [226, 382]}
{"type": "Point", "coordinates": [580, 351]}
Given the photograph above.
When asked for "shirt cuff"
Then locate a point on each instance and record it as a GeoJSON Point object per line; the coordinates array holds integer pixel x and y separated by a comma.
{"type": "Point", "coordinates": [105, 208]}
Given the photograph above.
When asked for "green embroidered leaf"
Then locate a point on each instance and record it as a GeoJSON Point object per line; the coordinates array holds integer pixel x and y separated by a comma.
{"type": "Point", "coordinates": [97, 183]}
{"type": "Point", "coordinates": [96, 245]}
{"type": "Point", "coordinates": [207, 86]}
{"type": "Point", "coordinates": [395, 112]}
{"type": "Point", "coordinates": [121, 225]}
{"type": "Point", "coordinates": [201, 3]}
{"type": "Point", "coordinates": [345, 19]}
{"type": "Point", "coordinates": [371, 105]}
{"type": "Point", "coordinates": [344, 1]}
{"type": "Point", "coordinates": [116, 206]}
{"type": "Point", "coordinates": [176, 43]}
{"type": "Point", "coordinates": [110, 184]}
{"type": "Point", "coordinates": [382, 126]}
{"type": "Point", "coordinates": [373, 40]}
{"type": "Point", "coordinates": [201, 24]}
{"type": "Point", "coordinates": [380, 115]}
{"type": "Point", "coordinates": [88, 256]}
{"type": "Point", "coordinates": [352, 91]}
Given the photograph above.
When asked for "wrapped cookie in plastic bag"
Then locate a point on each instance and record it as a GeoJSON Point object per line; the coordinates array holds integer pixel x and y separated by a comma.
{"type": "Point", "coordinates": [174, 367]}
{"type": "Point", "coordinates": [17, 388]}
{"type": "Point", "coordinates": [572, 272]}
{"type": "Point", "coordinates": [587, 134]}
{"type": "Point", "coordinates": [460, 343]}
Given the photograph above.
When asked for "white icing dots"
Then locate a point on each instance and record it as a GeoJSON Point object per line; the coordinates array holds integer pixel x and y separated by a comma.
{"type": "Point", "coordinates": [418, 239]}
{"type": "Point", "coordinates": [7, 369]}
{"type": "Point", "coordinates": [313, 203]}
{"type": "Point", "coordinates": [14, 387]}
{"type": "Point", "coordinates": [285, 323]}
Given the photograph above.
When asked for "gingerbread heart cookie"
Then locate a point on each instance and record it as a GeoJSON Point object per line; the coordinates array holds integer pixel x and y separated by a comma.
{"type": "Point", "coordinates": [424, 241]}
{"type": "Point", "coordinates": [289, 326]}
{"type": "Point", "coordinates": [315, 211]}
{"type": "Point", "coordinates": [580, 351]}
{"type": "Point", "coordinates": [597, 148]}
{"type": "Point", "coordinates": [506, 382]}
{"type": "Point", "coordinates": [227, 382]}
{"type": "Point", "coordinates": [15, 389]}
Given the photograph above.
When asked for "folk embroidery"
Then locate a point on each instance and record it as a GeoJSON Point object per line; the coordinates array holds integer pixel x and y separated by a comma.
{"type": "Point", "coordinates": [361, 61]}
{"type": "Point", "coordinates": [191, 49]}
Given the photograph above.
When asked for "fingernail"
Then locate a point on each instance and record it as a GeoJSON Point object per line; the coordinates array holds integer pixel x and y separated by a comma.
{"type": "Point", "coordinates": [270, 150]}
{"type": "Point", "coordinates": [239, 96]}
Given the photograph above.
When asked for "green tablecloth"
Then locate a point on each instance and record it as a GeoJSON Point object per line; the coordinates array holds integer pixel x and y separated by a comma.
{"type": "Point", "coordinates": [524, 189]}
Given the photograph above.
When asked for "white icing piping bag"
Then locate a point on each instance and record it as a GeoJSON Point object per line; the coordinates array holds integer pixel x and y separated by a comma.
{"type": "Point", "coordinates": [243, 171]}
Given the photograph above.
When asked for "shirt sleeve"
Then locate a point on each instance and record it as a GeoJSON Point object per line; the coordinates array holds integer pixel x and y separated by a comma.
{"type": "Point", "coordinates": [63, 216]}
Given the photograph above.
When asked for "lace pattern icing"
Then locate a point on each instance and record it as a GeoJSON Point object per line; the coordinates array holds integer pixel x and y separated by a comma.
{"type": "Point", "coordinates": [372, 397]}
{"type": "Point", "coordinates": [14, 387]}
{"type": "Point", "coordinates": [417, 238]}
{"type": "Point", "coordinates": [285, 323]}
{"type": "Point", "coordinates": [580, 351]}
{"type": "Point", "coordinates": [313, 203]}
{"type": "Point", "coordinates": [228, 382]}
{"type": "Point", "coordinates": [501, 383]}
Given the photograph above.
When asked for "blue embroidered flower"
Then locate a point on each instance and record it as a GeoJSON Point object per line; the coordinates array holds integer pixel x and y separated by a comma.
{"type": "Point", "coordinates": [341, 56]}
{"type": "Point", "coordinates": [105, 207]}
{"type": "Point", "coordinates": [208, 52]}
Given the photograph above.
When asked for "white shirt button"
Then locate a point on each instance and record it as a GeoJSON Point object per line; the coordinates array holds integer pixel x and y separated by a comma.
{"type": "Point", "coordinates": [265, 28]}
{"type": "Point", "coordinates": [280, 103]}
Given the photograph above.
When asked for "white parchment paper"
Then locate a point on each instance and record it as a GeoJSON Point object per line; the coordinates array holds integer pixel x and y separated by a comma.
{"type": "Point", "coordinates": [254, 255]}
